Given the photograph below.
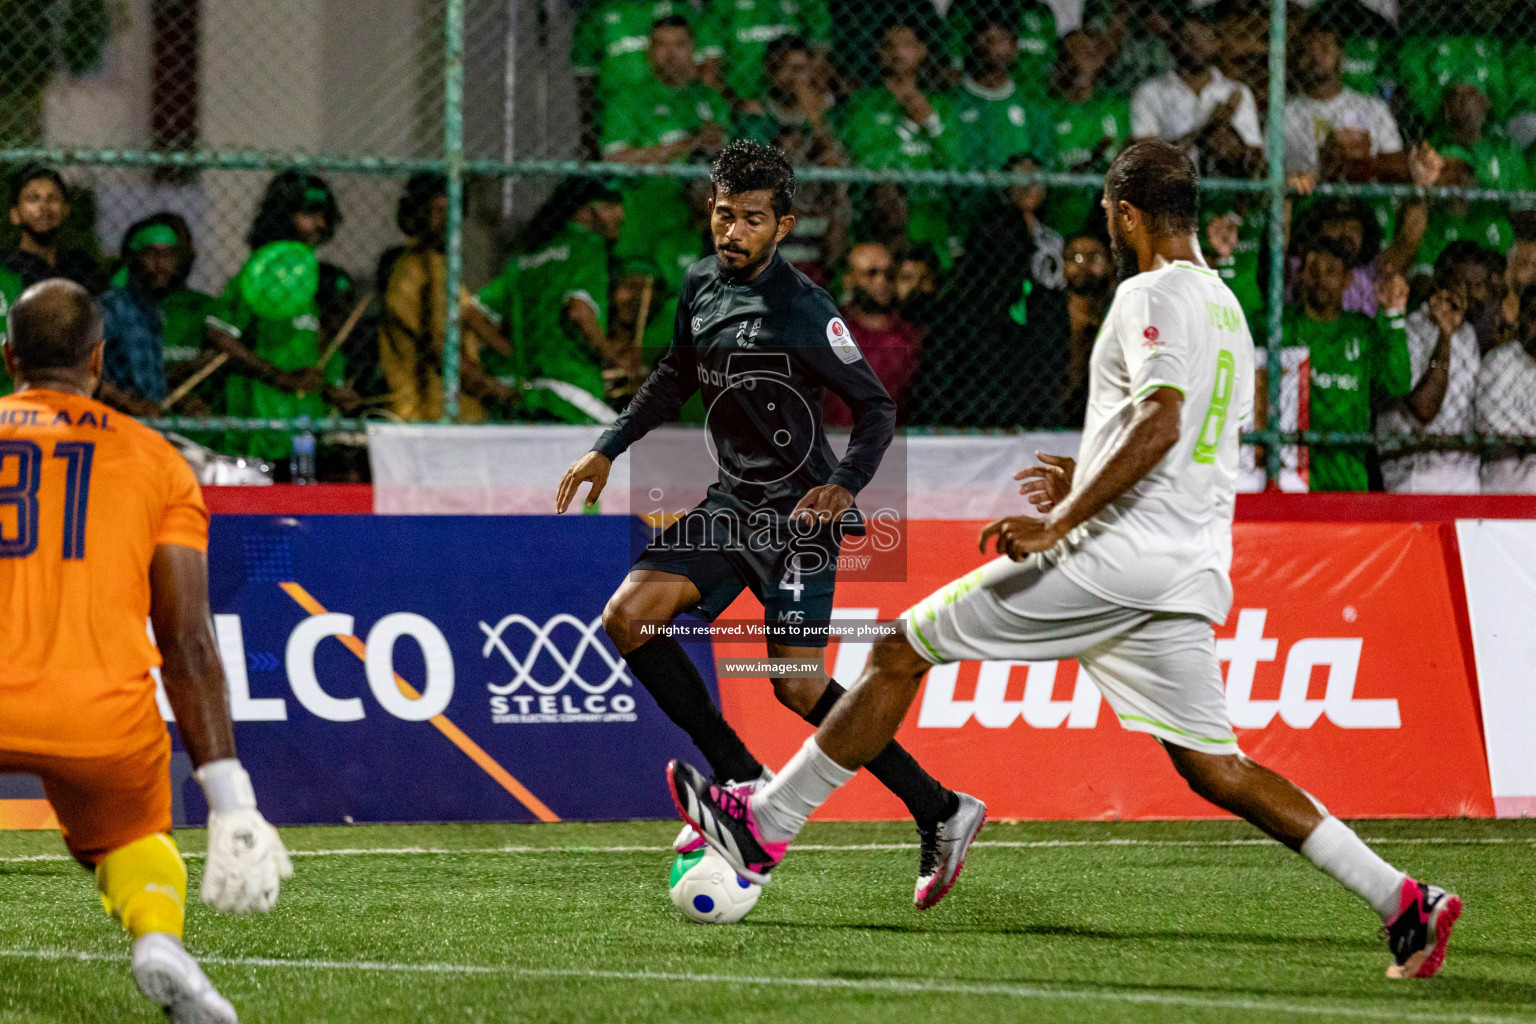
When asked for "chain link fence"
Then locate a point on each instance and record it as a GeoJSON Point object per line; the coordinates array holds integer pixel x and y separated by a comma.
{"type": "Point", "coordinates": [482, 209]}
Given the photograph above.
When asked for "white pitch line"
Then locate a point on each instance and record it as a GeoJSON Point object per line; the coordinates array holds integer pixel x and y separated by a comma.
{"type": "Point", "coordinates": [892, 986]}
{"type": "Point", "coordinates": [1033, 844]}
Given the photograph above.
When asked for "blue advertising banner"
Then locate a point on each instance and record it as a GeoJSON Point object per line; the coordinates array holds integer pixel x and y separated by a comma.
{"type": "Point", "coordinates": [426, 668]}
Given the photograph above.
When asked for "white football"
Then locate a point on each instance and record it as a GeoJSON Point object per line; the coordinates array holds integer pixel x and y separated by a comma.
{"type": "Point", "coordinates": [706, 889]}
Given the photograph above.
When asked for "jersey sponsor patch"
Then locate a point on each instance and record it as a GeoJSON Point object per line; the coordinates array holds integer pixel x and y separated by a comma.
{"type": "Point", "coordinates": [1151, 338]}
{"type": "Point", "coordinates": [841, 340]}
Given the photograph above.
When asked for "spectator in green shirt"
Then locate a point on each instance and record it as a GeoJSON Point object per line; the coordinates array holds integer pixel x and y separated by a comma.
{"type": "Point", "coordinates": [793, 114]}
{"type": "Point", "coordinates": [792, 103]}
{"type": "Point", "coordinates": [608, 52]}
{"type": "Point", "coordinates": [1032, 24]}
{"type": "Point", "coordinates": [1138, 35]}
{"type": "Point", "coordinates": [553, 303]}
{"type": "Point", "coordinates": [275, 361]}
{"type": "Point", "coordinates": [668, 117]}
{"type": "Point", "coordinates": [1234, 225]}
{"type": "Point", "coordinates": [992, 117]}
{"type": "Point", "coordinates": [1465, 135]}
{"type": "Point", "coordinates": [1431, 65]}
{"type": "Point", "coordinates": [896, 126]}
{"type": "Point", "coordinates": [1457, 220]}
{"type": "Point", "coordinates": [1088, 128]}
{"type": "Point", "coordinates": [737, 33]}
{"type": "Point", "coordinates": [1354, 363]}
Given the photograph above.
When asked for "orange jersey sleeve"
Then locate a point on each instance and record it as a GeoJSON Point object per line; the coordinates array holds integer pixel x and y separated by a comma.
{"type": "Point", "coordinates": [86, 494]}
{"type": "Point", "coordinates": [186, 517]}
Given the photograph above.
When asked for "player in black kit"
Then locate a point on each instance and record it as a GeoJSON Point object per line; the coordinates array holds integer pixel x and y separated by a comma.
{"type": "Point", "coordinates": [763, 344]}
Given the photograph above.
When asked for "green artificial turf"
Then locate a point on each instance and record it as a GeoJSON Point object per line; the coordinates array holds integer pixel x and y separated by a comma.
{"type": "Point", "coordinates": [1083, 922]}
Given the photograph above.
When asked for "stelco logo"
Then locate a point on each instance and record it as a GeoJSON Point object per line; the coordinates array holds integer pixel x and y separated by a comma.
{"type": "Point", "coordinates": [528, 699]}
{"type": "Point", "coordinates": [423, 702]}
{"type": "Point", "coordinates": [546, 684]}
{"type": "Point", "coordinates": [1244, 650]}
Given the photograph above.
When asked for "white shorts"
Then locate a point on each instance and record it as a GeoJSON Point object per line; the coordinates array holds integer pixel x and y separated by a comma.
{"type": "Point", "coordinates": [1157, 670]}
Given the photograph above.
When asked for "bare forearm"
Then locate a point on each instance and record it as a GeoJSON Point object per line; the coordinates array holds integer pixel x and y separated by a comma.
{"type": "Point", "coordinates": [1153, 431]}
{"type": "Point", "coordinates": [1389, 167]}
{"type": "Point", "coordinates": [664, 154]}
{"type": "Point", "coordinates": [243, 358]}
{"type": "Point", "coordinates": [194, 684]}
{"type": "Point", "coordinates": [1425, 399]}
{"type": "Point", "coordinates": [584, 318]}
{"type": "Point", "coordinates": [1398, 256]}
{"type": "Point", "coordinates": [476, 383]}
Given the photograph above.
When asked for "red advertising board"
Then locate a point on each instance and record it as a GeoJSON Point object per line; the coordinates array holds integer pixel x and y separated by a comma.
{"type": "Point", "coordinates": [1344, 672]}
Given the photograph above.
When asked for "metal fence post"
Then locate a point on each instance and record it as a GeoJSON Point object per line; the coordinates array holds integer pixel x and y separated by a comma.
{"type": "Point", "coordinates": [453, 157]}
{"type": "Point", "coordinates": [1276, 290]}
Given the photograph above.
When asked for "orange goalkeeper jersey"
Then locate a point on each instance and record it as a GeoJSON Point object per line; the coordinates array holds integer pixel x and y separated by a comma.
{"type": "Point", "coordinates": [86, 494]}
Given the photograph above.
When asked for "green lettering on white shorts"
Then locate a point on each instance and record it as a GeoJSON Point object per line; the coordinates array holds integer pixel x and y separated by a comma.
{"type": "Point", "coordinates": [929, 606]}
{"type": "Point", "coordinates": [1173, 729]}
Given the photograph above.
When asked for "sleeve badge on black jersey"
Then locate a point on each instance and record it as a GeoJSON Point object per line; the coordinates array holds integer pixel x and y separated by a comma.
{"type": "Point", "coordinates": [841, 340]}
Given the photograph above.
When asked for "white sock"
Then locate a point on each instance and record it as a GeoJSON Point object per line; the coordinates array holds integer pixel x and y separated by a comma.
{"type": "Point", "coordinates": [1335, 848]}
{"type": "Point", "coordinates": [802, 785]}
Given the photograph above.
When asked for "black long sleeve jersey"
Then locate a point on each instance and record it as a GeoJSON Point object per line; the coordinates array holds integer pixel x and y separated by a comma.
{"type": "Point", "coordinates": [763, 354]}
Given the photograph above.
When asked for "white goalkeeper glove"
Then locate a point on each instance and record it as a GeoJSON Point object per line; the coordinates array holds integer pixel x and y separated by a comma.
{"type": "Point", "coordinates": [246, 860]}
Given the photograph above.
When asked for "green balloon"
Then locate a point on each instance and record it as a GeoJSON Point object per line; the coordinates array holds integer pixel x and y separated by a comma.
{"type": "Point", "coordinates": [280, 280]}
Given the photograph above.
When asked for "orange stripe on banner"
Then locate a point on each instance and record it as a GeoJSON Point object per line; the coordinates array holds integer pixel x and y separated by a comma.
{"type": "Point", "coordinates": [488, 764]}
{"type": "Point", "coordinates": [32, 814]}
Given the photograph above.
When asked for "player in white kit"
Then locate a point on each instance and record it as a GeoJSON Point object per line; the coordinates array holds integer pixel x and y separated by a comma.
{"type": "Point", "coordinates": [1126, 572]}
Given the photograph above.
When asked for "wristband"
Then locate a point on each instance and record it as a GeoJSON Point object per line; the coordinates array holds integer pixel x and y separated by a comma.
{"type": "Point", "coordinates": [226, 785]}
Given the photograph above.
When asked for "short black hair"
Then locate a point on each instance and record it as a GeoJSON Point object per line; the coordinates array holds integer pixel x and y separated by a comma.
{"type": "Point", "coordinates": [287, 193]}
{"type": "Point", "coordinates": [745, 166]}
{"type": "Point", "coordinates": [794, 42]}
{"type": "Point", "coordinates": [28, 173]}
{"type": "Point", "coordinates": [1524, 224]}
{"type": "Point", "coordinates": [673, 21]}
{"type": "Point", "coordinates": [54, 325]}
{"type": "Point", "coordinates": [920, 252]}
{"type": "Point", "coordinates": [1464, 251]}
{"type": "Point", "coordinates": [1161, 181]}
{"type": "Point", "coordinates": [1339, 208]}
{"type": "Point", "coordinates": [1328, 246]}
{"type": "Point", "coordinates": [413, 211]}
{"type": "Point", "coordinates": [990, 17]}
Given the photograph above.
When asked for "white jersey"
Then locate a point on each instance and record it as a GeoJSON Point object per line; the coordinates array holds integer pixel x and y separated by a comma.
{"type": "Point", "coordinates": [1435, 472]}
{"type": "Point", "coordinates": [1309, 122]}
{"type": "Point", "coordinates": [1506, 404]}
{"type": "Point", "coordinates": [1166, 544]}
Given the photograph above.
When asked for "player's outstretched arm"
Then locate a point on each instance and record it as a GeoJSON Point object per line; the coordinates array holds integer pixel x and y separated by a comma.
{"type": "Point", "coordinates": [246, 860]}
{"type": "Point", "coordinates": [672, 383]}
{"type": "Point", "coordinates": [1153, 431]}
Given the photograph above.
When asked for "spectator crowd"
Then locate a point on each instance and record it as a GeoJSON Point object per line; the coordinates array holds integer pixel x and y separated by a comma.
{"type": "Point", "coordinates": [1410, 321]}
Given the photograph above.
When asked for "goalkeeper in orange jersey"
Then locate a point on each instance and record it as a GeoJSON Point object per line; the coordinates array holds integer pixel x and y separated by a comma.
{"type": "Point", "coordinates": [102, 525]}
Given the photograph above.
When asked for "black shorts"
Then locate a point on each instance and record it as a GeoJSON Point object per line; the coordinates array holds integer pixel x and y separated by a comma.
{"type": "Point", "coordinates": [794, 582]}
